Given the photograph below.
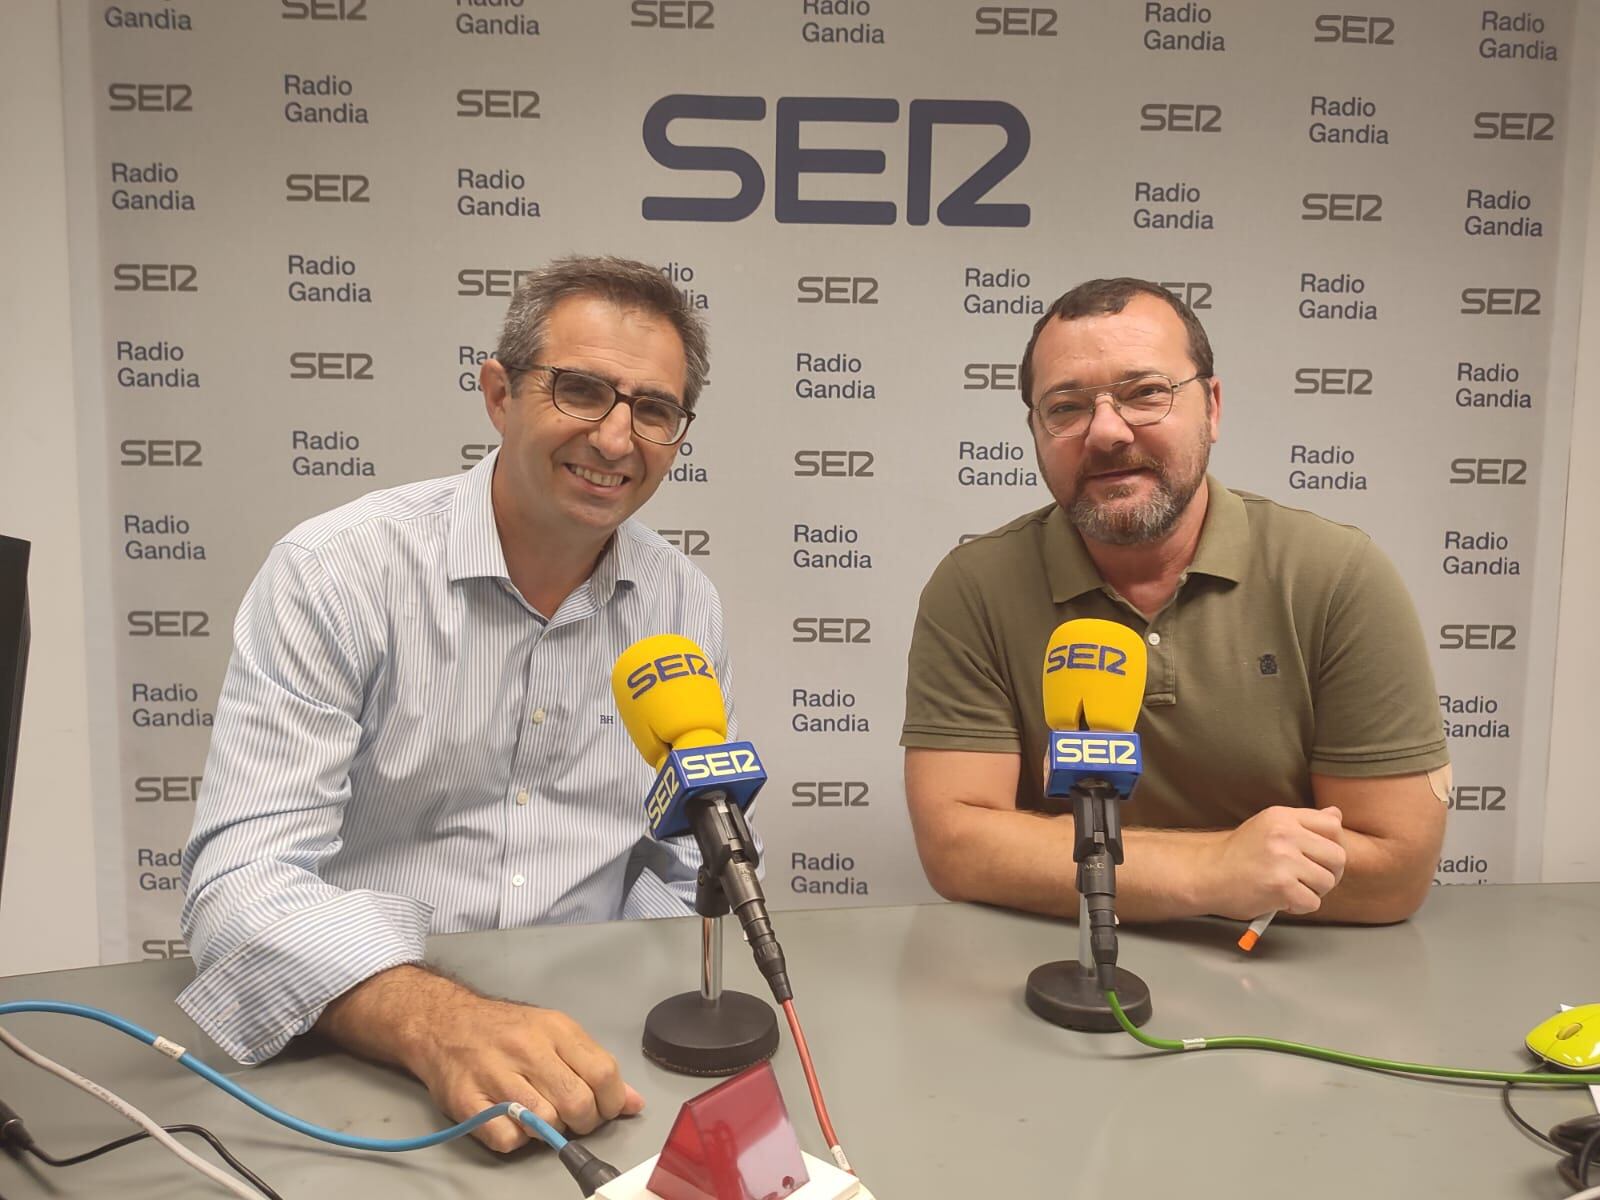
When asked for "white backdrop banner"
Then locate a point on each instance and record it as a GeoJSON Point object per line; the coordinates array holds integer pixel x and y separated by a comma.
{"type": "Point", "coordinates": [295, 225]}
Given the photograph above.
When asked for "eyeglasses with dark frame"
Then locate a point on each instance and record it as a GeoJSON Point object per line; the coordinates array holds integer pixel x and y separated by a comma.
{"type": "Point", "coordinates": [1143, 400]}
{"type": "Point", "coordinates": [663, 422]}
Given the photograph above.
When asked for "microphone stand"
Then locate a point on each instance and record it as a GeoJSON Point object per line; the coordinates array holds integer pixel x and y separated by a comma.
{"type": "Point", "coordinates": [710, 1031]}
{"type": "Point", "coordinates": [1072, 994]}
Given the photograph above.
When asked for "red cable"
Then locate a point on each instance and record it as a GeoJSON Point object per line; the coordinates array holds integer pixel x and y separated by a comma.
{"type": "Point", "coordinates": [811, 1078]}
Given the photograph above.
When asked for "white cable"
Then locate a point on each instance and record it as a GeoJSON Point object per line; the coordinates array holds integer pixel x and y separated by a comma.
{"type": "Point", "coordinates": [216, 1174]}
{"type": "Point", "coordinates": [1587, 1194]}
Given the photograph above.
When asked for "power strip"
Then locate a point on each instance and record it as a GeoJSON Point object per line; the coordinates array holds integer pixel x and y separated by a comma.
{"type": "Point", "coordinates": [828, 1182]}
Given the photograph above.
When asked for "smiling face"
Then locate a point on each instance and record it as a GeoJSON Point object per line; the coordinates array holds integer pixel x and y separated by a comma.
{"type": "Point", "coordinates": [1119, 484]}
{"type": "Point", "coordinates": [566, 482]}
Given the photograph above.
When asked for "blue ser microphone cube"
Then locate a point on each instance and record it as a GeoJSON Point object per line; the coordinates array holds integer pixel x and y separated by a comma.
{"type": "Point", "coordinates": [1080, 756]}
{"type": "Point", "coordinates": [731, 768]}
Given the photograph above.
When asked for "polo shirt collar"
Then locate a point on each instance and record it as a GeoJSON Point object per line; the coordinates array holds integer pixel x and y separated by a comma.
{"type": "Point", "coordinates": [474, 550]}
{"type": "Point", "coordinates": [1224, 548]}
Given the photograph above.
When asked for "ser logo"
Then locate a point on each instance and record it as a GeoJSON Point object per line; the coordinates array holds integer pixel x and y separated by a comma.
{"type": "Point", "coordinates": [669, 666]}
{"type": "Point", "coordinates": [1501, 302]}
{"type": "Point", "coordinates": [160, 452]}
{"type": "Point", "coordinates": [1196, 295]}
{"type": "Point", "coordinates": [836, 464]}
{"type": "Point", "coordinates": [150, 97]}
{"type": "Point", "coordinates": [1354, 30]}
{"type": "Point", "coordinates": [509, 103]}
{"type": "Point", "coordinates": [1085, 656]}
{"type": "Point", "coordinates": [1180, 118]}
{"type": "Point", "coordinates": [794, 158]}
{"type": "Point", "coordinates": [473, 453]}
{"type": "Point", "coordinates": [672, 14]}
{"type": "Point", "coordinates": [1333, 381]}
{"type": "Point", "coordinates": [985, 377]}
{"type": "Point", "coordinates": [845, 630]}
{"type": "Point", "coordinates": [486, 281]}
{"type": "Point", "coordinates": [1514, 127]}
{"type": "Point", "coordinates": [659, 800]}
{"type": "Point", "coordinates": [1477, 637]}
{"type": "Point", "coordinates": [324, 10]}
{"type": "Point", "coordinates": [169, 789]}
{"type": "Point", "coordinates": [1492, 471]}
{"type": "Point", "coordinates": [830, 793]}
{"type": "Point", "coordinates": [1080, 750]}
{"type": "Point", "coordinates": [327, 188]}
{"type": "Point", "coordinates": [718, 764]}
{"type": "Point", "coordinates": [155, 277]}
{"type": "Point", "coordinates": [1341, 206]}
{"type": "Point", "coordinates": [330, 364]}
{"type": "Point", "coordinates": [164, 948]}
{"type": "Point", "coordinates": [1478, 797]}
{"type": "Point", "coordinates": [836, 289]}
{"type": "Point", "coordinates": [168, 623]}
{"type": "Point", "coordinates": [1015, 21]}
{"type": "Point", "coordinates": [692, 543]}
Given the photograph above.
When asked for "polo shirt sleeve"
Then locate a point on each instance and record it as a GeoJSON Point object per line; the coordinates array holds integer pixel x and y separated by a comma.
{"type": "Point", "coordinates": [273, 943]}
{"type": "Point", "coordinates": [1376, 706]}
{"type": "Point", "coordinates": [957, 697]}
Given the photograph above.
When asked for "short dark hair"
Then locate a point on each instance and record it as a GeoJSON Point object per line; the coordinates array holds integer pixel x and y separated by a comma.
{"type": "Point", "coordinates": [1102, 297]}
{"type": "Point", "coordinates": [619, 281]}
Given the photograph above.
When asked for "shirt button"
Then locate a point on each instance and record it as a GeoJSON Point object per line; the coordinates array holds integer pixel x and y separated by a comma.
{"type": "Point", "coordinates": [522, 796]}
{"type": "Point", "coordinates": [1155, 638]}
{"type": "Point", "coordinates": [517, 881]}
{"type": "Point", "coordinates": [538, 716]}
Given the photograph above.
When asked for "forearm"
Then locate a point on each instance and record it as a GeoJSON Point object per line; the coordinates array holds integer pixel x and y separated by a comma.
{"type": "Point", "coordinates": [1024, 860]}
{"type": "Point", "coordinates": [1385, 880]}
{"type": "Point", "coordinates": [388, 1017]}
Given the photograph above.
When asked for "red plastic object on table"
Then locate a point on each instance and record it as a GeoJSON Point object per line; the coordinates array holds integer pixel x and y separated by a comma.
{"type": "Point", "coordinates": [733, 1142]}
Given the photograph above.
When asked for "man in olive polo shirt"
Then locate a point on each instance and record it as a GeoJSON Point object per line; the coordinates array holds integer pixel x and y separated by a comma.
{"type": "Point", "coordinates": [1294, 758]}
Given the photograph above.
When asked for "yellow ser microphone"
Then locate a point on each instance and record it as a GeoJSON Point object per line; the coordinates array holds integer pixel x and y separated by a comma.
{"type": "Point", "coordinates": [669, 698]}
{"type": "Point", "coordinates": [1094, 673]}
{"type": "Point", "coordinates": [671, 704]}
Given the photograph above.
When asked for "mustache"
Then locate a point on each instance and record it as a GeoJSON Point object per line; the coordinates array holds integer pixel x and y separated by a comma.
{"type": "Point", "coordinates": [1117, 462]}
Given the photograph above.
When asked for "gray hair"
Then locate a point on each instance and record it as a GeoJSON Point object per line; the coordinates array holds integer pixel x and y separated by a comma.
{"type": "Point", "coordinates": [620, 281]}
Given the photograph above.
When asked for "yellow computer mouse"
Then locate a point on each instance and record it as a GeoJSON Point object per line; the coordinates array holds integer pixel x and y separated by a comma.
{"type": "Point", "coordinates": [1569, 1039]}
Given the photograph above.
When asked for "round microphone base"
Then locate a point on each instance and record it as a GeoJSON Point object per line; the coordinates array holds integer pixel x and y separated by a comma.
{"type": "Point", "coordinates": [1063, 993]}
{"type": "Point", "coordinates": [691, 1035]}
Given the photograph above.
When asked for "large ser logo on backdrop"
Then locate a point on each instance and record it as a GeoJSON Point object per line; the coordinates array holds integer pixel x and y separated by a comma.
{"type": "Point", "coordinates": [962, 207]}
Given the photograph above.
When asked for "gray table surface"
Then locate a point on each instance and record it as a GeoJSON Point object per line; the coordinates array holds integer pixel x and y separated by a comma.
{"type": "Point", "coordinates": [939, 1080]}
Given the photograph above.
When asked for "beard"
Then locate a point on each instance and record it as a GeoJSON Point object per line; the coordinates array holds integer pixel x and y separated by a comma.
{"type": "Point", "coordinates": [1118, 523]}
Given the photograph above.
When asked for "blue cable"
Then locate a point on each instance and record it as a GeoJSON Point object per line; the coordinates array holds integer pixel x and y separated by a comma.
{"type": "Point", "coordinates": [349, 1140]}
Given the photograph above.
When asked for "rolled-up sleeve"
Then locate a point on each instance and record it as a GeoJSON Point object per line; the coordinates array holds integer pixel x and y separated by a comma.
{"type": "Point", "coordinates": [272, 942]}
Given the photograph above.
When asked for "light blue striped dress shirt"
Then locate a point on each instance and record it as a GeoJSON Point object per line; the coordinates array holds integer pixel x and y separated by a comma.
{"type": "Point", "coordinates": [403, 746]}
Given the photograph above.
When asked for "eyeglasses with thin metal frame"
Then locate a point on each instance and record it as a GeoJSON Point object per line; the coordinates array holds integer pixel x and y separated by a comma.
{"type": "Point", "coordinates": [587, 398]}
{"type": "Point", "coordinates": [1142, 400]}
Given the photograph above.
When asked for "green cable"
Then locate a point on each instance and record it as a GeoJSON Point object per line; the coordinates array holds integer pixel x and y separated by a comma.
{"type": "Point", "coordinates": [1341, 1056]}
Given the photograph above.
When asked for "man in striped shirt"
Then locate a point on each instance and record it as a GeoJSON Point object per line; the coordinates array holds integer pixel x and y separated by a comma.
{"type": "Point", "coordinates": [416, 733]}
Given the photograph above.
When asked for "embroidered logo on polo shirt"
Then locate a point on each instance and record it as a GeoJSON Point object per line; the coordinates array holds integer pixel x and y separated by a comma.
{"type": "Point", "coordinates": [1269, 664]}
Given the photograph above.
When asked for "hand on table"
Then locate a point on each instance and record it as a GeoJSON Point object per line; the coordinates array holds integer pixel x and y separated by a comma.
{"type": "Point", "coordinates": [484, 1051]}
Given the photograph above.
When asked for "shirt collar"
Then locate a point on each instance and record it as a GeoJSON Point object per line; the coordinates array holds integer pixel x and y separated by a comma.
{"type": "Point", "coordinates": [474, 539]}
{"type": "Point", "coordinates": [474, 550]}
{"type": "Point", "coordinates": [1223, 550]}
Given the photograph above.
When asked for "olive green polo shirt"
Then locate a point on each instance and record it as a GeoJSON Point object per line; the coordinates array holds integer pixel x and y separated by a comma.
{"type": "Point", "coordinates": [1290, 647]}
